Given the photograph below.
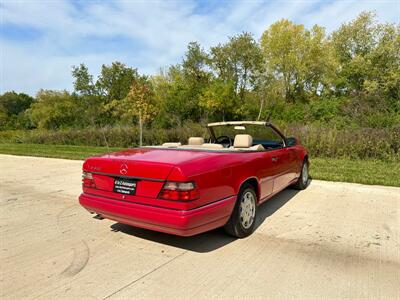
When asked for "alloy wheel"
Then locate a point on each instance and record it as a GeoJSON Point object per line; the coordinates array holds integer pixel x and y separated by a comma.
{"type": "Point", "coordinates": [247, 209]}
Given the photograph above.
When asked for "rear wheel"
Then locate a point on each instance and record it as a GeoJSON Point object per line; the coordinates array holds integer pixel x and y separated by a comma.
{"type": "Point", "coordinates": [304, 178]}
{"type": "Point", "coordinates": [242, 221]}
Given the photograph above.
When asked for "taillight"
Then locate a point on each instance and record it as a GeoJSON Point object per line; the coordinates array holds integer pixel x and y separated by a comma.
{"type": "Point", "coordinates": [180, 191]}
{"type": "Point", "coordinates": [87, 180]}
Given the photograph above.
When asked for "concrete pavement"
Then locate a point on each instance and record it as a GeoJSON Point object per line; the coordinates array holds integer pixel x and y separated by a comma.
{"type": "Point", "coordinates": [331, 241]}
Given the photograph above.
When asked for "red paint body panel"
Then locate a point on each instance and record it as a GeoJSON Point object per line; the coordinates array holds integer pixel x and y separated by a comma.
{"type": "Point", "coordinates": [218, 176]}
{"type": "Point", "coordinates": [179, 222]}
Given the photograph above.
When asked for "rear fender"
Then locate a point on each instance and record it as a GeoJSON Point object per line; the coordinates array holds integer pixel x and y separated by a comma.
{"type": "Point", "coordinates": [239, 182]}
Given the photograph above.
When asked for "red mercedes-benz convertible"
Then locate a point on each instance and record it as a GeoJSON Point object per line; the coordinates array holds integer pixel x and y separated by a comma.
{"type": "Point", "coordinates": [193, 188]}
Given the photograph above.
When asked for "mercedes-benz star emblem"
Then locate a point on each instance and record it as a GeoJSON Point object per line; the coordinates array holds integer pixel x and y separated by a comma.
{"type": "Point", "coordinates": [123, 169]}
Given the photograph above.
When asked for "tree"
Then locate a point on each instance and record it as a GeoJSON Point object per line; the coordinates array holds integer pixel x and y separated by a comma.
{"type": "Point", "coordinates": [194, 65]}
{"type": "Point", "coordinates": [353, 42]}
{"type": "Point", "coordinates": [140, 97]}
{"type": "Point", "coordinates": [3, 119]}
{"type": "Point", "coordinates": [384, 77]}
{"type": "Point", "coordinates": [369, 56]}
{"type": "Point", "coordinates": [238, 62]}
{"type": "Point", "coordinates": [178, 90]}
{"type": "Point", "coordinates": [83, 81]}
{"type": "Point", "coordinates": [113, 84]}
{"type": "Point", "coordinates": [115, 81]}
{"type": "Point", "coordinates": [283, 46]}
{"type": "Point", "coordinates": [13, 103]}
{"type": "Point", "coordinates": [55, 109]}
{"type": "Point", "coordinates": [218, 99]}
{"type": "Point", "coordinates": [266, 93]}
{"type": "Point", "coordinates": [293, 72]}
{"type": "Point", "coordinates": [301, 58]}
{"type": "Point", "coordinates": [12, 110]}
{"type": "Point", "coordinates": [193, 79]}
{"type": "Point", "coordinates": [169, 95]}
{"type": "Point", "coordinates": [138, 104]}
{"type": "Point", "coordinates": [320, 63]}
{"type": "Point", "coordinates": [174, 96]}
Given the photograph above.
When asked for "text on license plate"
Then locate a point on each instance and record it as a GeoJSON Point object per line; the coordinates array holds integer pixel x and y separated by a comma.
{"type": "Point", "coordinates": [125, 186]}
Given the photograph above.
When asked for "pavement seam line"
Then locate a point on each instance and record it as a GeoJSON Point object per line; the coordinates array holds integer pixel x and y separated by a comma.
{"type": "Point", "coordinates": [145, 275]}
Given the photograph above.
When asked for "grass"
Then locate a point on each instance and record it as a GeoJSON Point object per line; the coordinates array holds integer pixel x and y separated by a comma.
{"type": "Point", "coordinates": [359, 171]}
{"type": "Point", "coordinates": [54, 151]}
{"type": "Point", "coordinates": [343, 169]}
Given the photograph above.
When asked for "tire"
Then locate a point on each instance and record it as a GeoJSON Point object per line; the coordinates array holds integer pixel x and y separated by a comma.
{"type": "Point", "coordinates": [243, 219]}
{"type": "Point", "coordinates": [304, 179]}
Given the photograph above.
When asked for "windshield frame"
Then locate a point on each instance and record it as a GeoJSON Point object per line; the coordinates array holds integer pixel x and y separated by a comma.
{"type": "Point", "coordinates": [213, 138]}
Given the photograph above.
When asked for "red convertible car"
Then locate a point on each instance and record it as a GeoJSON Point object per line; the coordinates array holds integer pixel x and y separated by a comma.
{"type": "Point", "coordinates": [193, 188]}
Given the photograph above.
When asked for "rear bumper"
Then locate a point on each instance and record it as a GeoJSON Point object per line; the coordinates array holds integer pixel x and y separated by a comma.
{"type": "Point", "coordinates": [178, 222]}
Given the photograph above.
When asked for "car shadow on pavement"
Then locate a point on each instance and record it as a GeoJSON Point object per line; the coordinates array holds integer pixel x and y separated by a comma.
{"type": "Point", "coordinates": [269, 207]}
{"type": "Point", "coordinates": [208, 241]}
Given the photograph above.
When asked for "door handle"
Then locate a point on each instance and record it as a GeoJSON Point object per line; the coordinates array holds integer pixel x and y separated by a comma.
{"type": "Point", "coordinates": [274, 158]}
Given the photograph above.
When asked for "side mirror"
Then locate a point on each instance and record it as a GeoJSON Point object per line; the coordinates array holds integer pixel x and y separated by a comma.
{"type": "Point", "coordinates": [292, 141]}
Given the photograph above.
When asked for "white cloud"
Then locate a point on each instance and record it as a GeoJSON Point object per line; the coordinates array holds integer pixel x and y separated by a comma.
{"type": "Point", "coordinates": [151, 34]}
{"type": "Point", "coordinates": [332, 14]}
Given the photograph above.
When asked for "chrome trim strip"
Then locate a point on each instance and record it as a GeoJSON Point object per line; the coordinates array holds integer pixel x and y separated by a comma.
{"type": "Point", "coordinates": [127, 177]}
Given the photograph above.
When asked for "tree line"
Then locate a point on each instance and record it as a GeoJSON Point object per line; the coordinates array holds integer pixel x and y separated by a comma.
{"type": "Point", "coordinates": [350, 77]}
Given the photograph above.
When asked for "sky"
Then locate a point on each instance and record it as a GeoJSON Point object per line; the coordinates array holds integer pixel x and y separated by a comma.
{"type": "Point", "coordinates": [40, 41]}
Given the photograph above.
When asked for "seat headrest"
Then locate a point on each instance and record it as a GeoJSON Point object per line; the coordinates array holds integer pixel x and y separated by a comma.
{"type": "Point", "coordinates": [243, 141]}
{"type": "Point", "coordinates": [196, 141]}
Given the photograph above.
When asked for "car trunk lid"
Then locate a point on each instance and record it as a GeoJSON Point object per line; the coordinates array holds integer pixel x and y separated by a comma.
{"type": "Point", "coordinates": [149, 168]}
{"type": "Point", "coordinates": [148, 177]}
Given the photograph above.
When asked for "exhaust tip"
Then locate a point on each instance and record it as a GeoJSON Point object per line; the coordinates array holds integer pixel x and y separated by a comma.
{"type": "Point", "coordinates": [98, 217]}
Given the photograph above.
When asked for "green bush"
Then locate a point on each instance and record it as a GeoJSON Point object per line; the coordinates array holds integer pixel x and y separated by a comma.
{"type": "Point", "coordinates": [126, 136]}
{"type": "Point", "coordinates": [351, 143]}
{"type": "Point", "coordinates": [320, 141]}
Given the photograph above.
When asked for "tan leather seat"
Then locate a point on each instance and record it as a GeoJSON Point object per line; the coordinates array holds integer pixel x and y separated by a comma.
{"type": "Point", "coordinates": [258, 147]}
{"type": "Point", "coordinates": [171, 145]}
{"type": "Point", "coordinates": [242, 141]}
{"type": "Point", "coordinates": [212, 146]}
{"type": "Point", "coordinates": [195, 141]}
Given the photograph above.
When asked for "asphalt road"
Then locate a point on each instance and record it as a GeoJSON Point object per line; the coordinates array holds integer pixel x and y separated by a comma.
{"type": "Point", "coordinates": [331, 241]}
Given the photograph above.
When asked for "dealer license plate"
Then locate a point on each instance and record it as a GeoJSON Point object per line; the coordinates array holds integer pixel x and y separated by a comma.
{"type": "Point", "coordinates": [125, 186]}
